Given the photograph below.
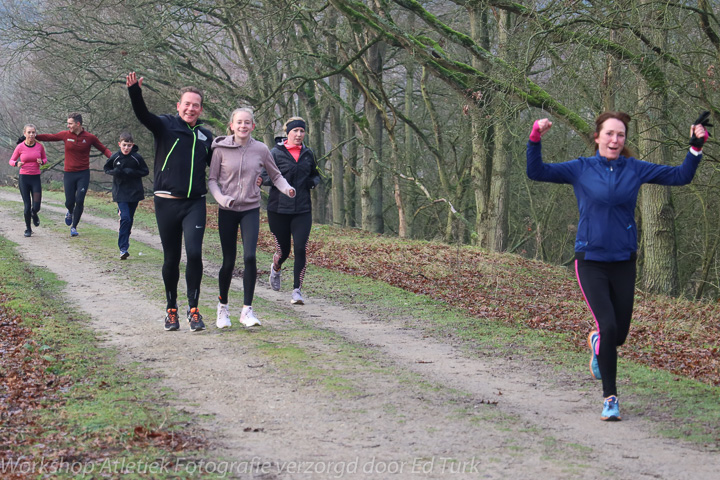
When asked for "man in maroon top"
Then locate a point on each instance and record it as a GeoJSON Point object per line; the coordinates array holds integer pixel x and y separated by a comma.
{"type": "Point", "coordinates": [76, 177]}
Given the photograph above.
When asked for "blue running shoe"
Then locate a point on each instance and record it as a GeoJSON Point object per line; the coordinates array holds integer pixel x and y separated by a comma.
{"type": "Point", "coordinates": [593, 338]}
{"type": "Point", "coordinates": [68, 219]}
{"type": "Point", "coordinates": [73, 232]}
{"type": "Point", "coordinates": [611, 410]}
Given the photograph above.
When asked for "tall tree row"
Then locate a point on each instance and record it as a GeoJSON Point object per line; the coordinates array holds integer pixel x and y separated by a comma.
{"type": "Point", "coordinates": [418, 111]}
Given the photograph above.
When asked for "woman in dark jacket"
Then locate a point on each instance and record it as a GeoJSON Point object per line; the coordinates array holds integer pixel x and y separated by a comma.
{"type": "Point", "coordinates": [292, 217]}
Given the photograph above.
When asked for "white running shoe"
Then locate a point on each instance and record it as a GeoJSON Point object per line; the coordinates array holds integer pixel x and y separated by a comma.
{"type": "Point", "coordinates": [248, 318]}
{"type": "Point", "coordinates": [274, 278]}
{"type": "Point", "coordinates": [223, 316]}
{"type": "Point", "coordinates": [297, 298]}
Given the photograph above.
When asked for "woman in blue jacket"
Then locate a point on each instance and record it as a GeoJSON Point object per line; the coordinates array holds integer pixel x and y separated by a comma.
{"type": "Point", "coordinates": [606, 186]}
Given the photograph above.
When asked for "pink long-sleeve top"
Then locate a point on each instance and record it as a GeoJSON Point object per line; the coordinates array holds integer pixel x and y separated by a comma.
{"type": "Point", "coordinates": [29, 157]}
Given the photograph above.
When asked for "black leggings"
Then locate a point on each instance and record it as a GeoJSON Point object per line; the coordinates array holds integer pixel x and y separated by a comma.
{"type": "Point", "coordinates": [228, 223]}
{"type": "Point", "coordinates": [609, 290]}
{"type": "Point", "coordinates": [177, 217]}
{"type": "Point", "coordinates": [31, 193]}
{"type": "Point", "coordinates": [283, 226]}
{"type": "Point", "coordinates": [76, 186]}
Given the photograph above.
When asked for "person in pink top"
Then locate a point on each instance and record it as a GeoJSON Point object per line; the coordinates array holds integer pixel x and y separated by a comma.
{"type": "Point", "coordinates": [29, 155]}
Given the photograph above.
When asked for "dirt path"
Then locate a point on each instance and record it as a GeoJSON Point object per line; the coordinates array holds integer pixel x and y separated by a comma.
{"type": "Point", "coordinates": [425, 414]}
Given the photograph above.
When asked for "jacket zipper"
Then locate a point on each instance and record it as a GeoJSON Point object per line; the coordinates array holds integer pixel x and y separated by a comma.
{"type": "Point", "coordinates": [192, 160]}
{"type": "Point", "coordinates": [169, 153]}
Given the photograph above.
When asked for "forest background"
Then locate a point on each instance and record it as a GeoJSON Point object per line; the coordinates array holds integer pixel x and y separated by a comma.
{"type": "Point", "coordinates": [418, 111]}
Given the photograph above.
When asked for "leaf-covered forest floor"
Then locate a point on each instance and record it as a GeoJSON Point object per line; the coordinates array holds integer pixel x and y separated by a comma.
{"type": "Point", "coordinates": [676, 335]}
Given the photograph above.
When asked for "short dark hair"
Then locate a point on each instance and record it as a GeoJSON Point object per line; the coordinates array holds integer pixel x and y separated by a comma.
{"type": "Point", "coordinates": [76, 116]}
{"type": "Point", "coordinates": [126, 137]}
{"type": "Point", "coordinates": [185, 90]}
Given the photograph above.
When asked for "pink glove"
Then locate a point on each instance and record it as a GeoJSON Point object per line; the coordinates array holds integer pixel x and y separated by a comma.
{"type": "Point", "coordinates": [535, 133]}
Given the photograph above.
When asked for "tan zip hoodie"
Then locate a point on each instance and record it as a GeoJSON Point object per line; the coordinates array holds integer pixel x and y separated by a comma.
{"type": "Point", "coordinates": [234, 171]}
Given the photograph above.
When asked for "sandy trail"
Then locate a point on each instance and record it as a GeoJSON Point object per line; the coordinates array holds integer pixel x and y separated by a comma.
{"type": "Point", "coordinates": [424, 414]}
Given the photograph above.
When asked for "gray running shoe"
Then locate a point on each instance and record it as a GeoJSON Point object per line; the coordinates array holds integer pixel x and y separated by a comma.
{"type": "Point", "coordinates": [297, 298]}
{"type": "Point", "coordinates": [274, 279]}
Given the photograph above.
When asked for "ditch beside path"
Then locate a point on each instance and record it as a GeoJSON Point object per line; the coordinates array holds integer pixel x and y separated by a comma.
{"type": "Point", "coordinates": [433, 417]}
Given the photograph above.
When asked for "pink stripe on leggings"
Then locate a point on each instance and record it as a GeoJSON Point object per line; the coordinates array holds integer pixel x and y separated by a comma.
{"type": "Point", "coordinates": [577, 275]}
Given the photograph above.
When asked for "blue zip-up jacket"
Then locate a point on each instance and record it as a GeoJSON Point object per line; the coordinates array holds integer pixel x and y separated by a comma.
{"type": "Point", "coordinates": [606, 193]}
{"type": "Point", "coordinates": [182, 152]}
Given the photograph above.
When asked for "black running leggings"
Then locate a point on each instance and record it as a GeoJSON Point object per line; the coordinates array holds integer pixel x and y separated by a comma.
{"type": "Point", "coordinates": [31, 193]}
{"type": "Point", "coordinates": [76, 185]}
{"type": "Point", "coordinates": [283, 226]}
{"type": "Point", "coordinates": [609, 290]}
{"type": "Point", "coordinates": [249, 224]}
{"type": "Point", "coordinates": [175, 218]}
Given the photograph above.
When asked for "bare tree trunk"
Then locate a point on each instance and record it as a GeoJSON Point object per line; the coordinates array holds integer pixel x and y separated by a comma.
{"type": "Point", "coordinates": [316, 141]}
{"type": "Point", "coordinates": [408, 157]}
{"type": "Point", "coordinates": [371, 196]}
{"type": "Point", "coordinates": [497, 215]}
{"type": "Point", "coordinates": [350, 180]}
{"type": "Point", "coordinates": [337, 167]}
{"type": "Point", "coordinates": [481, 163]}
{"type": "Point", "coordinates": [402, 221]}
{"type": "Point", "coordinates": [660, 269]}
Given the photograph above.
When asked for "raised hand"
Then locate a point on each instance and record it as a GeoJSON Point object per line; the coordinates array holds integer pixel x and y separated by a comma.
{"type": "Point", "coordinates": [540, 127]}
{"type": "Point", "coordinates": [131, 79]}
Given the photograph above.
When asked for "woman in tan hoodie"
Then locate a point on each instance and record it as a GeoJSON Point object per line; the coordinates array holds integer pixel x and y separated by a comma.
{"type": "Point", "coordinates": [237, 162]}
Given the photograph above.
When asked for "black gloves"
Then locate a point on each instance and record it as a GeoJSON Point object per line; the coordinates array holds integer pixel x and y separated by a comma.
{"type": "Point", "coordinates": [704, 120]}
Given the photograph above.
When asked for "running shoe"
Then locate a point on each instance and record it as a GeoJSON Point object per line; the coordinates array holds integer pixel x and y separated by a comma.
{"type": "Point", "coordinates": [195, 319]}
{"type": "Point", "coordinates": [124, 255]}
{"type": "Point", "coordinates": [171, 320]}
{"type": "Point", "coordinates": [274, 278]}
{"type": "Point", "coordinates": [611, 410]}
{"type": "Point", "coordinates": [35, 218]}
{"type": "Point", "coordinates": [28, 232]}
{"type": "Point", "coordinates": [73, 232]}
{"type": "Point", "coordinates": [68, 218]}
{"type": "Point", "coordinates": [223, 316]}
{"type": "Point", "coordinates": [248, 318]}
{"type": "Point", "coordinates": [297, 298]}
{"type": "Point", "coordinates": [593, 338]}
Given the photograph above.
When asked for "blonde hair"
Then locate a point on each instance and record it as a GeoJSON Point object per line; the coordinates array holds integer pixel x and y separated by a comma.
{"type": "Point", "coordinates": [29, 125]}
{"type": "Point", "coordinates": [228, 130]}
